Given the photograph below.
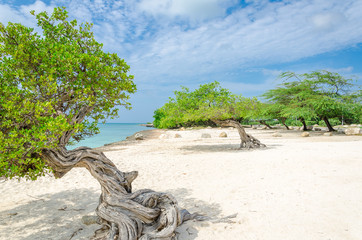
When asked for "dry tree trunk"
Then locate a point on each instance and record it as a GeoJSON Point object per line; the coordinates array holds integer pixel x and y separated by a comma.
{"type": "Point", "coordinates": [304, 124]}
{"type": "Point", "coordinates": [283, 122]}
{"type": "Point", "coordinates": [144, 214]}
{"type": "Point", "coordinates": [264, 123]}
{"type": "Point", "coordinates": [330, 128]}
{"type": "Point", "coordinates": [247, 141]}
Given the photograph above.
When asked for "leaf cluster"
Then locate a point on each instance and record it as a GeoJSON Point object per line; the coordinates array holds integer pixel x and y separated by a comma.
{"type": "Point", "coordinates": [319, 94]}
{"type": "Point", "coordinates": [203, 105]}
{"type": "Point", "coordinates": [54, 87]}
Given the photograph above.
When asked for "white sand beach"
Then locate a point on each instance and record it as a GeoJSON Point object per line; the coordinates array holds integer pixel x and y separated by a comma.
{"type": "Point", "coordinates": [297, 188]}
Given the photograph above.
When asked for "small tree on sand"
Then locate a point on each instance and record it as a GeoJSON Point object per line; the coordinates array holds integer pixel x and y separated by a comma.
{"type": "Point", "coordinates": [209, 103]}
{"type": "Point", "coordinates": [56, 87]}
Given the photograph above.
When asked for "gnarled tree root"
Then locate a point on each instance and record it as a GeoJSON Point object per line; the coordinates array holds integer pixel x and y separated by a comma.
{"type": "Point", "coordinates": [144, 214]}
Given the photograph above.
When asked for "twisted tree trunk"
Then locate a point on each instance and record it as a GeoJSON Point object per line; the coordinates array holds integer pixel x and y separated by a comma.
{"type": "Point", "coordinates": [144, 214]}
{"type": "Point", "coordinates": [247, 141]}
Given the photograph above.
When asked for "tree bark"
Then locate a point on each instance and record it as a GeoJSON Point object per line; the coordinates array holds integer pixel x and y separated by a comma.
{"type": "Point", "coordinates": [330, 128]}
{"type": "Point", "coordinates": [283, 122]}
{"type": "Point", "coordinates": [264, 123]}
{"type": "Point", "coordinates": [144, 214]}
{"type": "Point", "coordinates": [304, 124]}
{"type": "Point", "coordinates": [247, 141]}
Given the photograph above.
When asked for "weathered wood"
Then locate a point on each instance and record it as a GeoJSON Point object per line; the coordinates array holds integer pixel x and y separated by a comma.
{"type": "Point", "coordinates": [247, 141]}
{"type": "Point", "coordinates": [125, 215]}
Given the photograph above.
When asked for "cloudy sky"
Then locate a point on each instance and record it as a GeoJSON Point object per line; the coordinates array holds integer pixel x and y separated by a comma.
{"type": "Point", "coordinates": [243, 44]}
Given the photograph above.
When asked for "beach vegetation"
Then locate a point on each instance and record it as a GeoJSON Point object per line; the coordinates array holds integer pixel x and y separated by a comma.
{"type": "Point", "coordinates": [202, 106]}
{"type": "Point", "coordinates": [56, 86]}
{"type": "Point", "coordinates": [315, 96]}
{"type": "Point", "coordinates": [210, 104]}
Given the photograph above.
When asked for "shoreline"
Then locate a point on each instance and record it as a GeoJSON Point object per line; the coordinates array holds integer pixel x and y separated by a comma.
{"type": "Point", "coordinates": [109, 133]}
{"type": "Point", "coordinates": [155, 132]}
{"type": "Point", "coordinates": [294, 133]}
{"type": "Point", "coordinates": [148, 134]}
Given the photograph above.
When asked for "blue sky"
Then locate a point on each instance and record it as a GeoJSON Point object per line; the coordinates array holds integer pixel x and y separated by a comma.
{"type": "Point", "coordinates": [244, 45]}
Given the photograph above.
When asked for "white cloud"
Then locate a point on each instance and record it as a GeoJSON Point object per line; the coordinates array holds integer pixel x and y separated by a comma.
{"type": "Point", "coordinates": [261, 33]}
{"type": "Point", "coordinates": [195, 10]}
{"type": "Point", "coordinates": [271, 72]}
{"type": "Point", "coordinates": [7, 14]}
{"type": "Point", "coordinates": [284, 32]}
{"type": "Point", "coordinates": [345, 70]}
{"type": "Point", "coordinates": [328, 21]}
{"type": "Point", "coordinates": [80, 11]}
{"type": "Point", "coordinates": [183, 41]}
{"type": "Point", "coordinates": [21, 14]}
{"type": "Point", "coordinates": [38, 6]}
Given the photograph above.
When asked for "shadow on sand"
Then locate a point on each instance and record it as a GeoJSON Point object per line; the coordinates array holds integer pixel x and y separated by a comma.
{"type": "Point", "coordinates": [187, 230]}
{"type": "Point", "coordinates": [222, 148]}
{"type": "Point", "coordinates": [58, 216]}
{"type": "Point", "coordinates": [50, 216]}
{"type": "Point", "coordinates": [212, 148]}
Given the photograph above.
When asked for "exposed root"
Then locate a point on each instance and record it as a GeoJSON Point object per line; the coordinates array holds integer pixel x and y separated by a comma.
{"type": "Point", "coordinates": [144, 214]}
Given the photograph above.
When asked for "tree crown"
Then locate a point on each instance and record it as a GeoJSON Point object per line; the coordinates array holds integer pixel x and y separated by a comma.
{"type": "Point", "coordinates": [207, 103]}
{"type": "Point", "coordinates": [54, 87]}
{"type": "Point", "coordinates": [321, 94]}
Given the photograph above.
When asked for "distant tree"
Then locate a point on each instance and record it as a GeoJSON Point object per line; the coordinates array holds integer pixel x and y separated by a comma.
{"type": "Point", "coordinates": [319, 94]}
{"type": "Point", "coordinates": [288, 99]}
{"type": "Point", "coordinates": [352, 113]}
{"type": "Point", "coordinates": [208, 104]}
{"type": "Point", "coordinates": [56, 87]}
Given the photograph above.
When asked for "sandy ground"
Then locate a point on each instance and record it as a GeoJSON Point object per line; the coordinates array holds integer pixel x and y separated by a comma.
{"type": "Point", "coordinates": [297, 188]}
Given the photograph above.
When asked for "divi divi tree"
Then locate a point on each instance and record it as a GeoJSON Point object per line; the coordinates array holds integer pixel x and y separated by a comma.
{"type": "Point", "coordinates": [54, 88]}
{"type": "Point", "coordinates": [210, 103]}
{"type": "Point", "coordinates": [319, 94]}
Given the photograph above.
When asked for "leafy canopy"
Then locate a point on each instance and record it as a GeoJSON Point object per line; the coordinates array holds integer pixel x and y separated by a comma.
{"type": "Point", "coordinates": [319, 94]}
{"type": "Point", "coordinates": [54, 87]}
{"type": "Point", "coordinates": [207, 103]}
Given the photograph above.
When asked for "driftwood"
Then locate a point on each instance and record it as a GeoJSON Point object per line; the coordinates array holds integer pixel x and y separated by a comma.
{"type": "Point", "coordinates": [125, 215]}
{"type": "Point", "coordinates": [247, 141]}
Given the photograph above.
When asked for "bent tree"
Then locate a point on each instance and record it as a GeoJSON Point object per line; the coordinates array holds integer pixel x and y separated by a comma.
{"type": "Point", "coordinates": [272, 111]}
{"type": "Point", "coordinates": [54, 89]}
{"type": "Point", "coordinates": [210, 103]}
{"type": "Point", "coordinates": [319, 94]}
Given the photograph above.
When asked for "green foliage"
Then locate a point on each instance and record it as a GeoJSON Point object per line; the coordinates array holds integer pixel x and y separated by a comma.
{"type": "Point", "coordinates": [269, 111]}
{"type": "Point", "coordinates": [53, 87]}
{"type": "Point", "coordinates": [315, 95]}
{"type": "Point", "coordinates": [333, 121]}
{"type": "Point", "coordinates": [201, 106]}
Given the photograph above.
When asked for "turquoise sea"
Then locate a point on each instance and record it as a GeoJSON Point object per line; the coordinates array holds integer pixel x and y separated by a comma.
{"type": "Point", "coordinates": [110, 132]}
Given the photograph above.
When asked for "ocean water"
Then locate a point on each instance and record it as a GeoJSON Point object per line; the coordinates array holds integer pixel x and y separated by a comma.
{"type": "Point", "coordinates": [110, 132]}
